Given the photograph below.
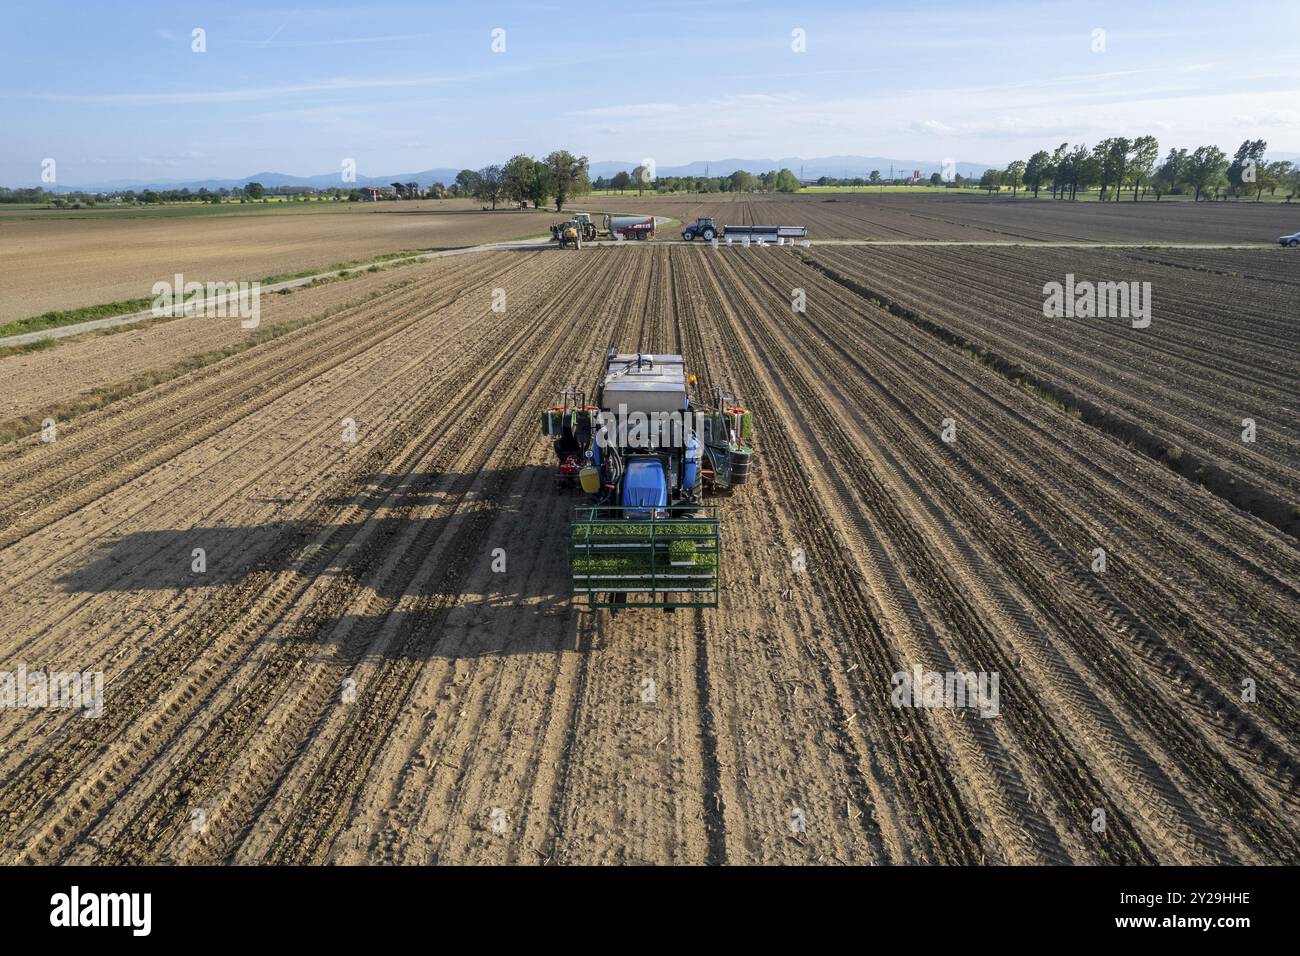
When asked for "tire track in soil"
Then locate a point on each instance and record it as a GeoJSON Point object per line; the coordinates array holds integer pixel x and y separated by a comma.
{"type": "Point", "coordinates": [949, 603]}
{"type": "Point", "coordinates": [933, 818]}
{"type": "Point", "coordinates": [642, 808]}
{"type": "Point", "coordinates": [82, 629]}
{"type": "Point", "coordinates": [405, 557]}
{"type": "Point", "coordinates": [232, 611]}
{"type": "Point", "coordinates": [333, 788]}
{"type": "Point", "coordinates": [745, 808]}
{"type": "Point", "coordinates": [1259, 737]}
{"type": "Point", "coordinates": [129, 438]}
{"type": "Point", "coordinates": [198, 487]}
{"type": "Point", "coordinates": [444, 815]}
{"type": "Point", "coordinates": [898, 389]}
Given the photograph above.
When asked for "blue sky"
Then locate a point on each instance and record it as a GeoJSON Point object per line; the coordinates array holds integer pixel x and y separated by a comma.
{"type": "Point", "coordinates": [114, 91]}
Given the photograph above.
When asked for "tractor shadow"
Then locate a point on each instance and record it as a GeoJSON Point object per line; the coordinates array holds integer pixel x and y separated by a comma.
{"type": "Point", "coordinates": [456, 565]}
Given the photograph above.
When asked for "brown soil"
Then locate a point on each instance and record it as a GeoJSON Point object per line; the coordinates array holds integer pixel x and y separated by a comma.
{"type": "Point", "coordinates": [493, 722]}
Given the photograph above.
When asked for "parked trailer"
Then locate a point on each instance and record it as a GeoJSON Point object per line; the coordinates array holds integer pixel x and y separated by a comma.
{"type": "Point", "coordinates": [705, 228]}
{"type": "Point", "coordinates": [766, 232]}
{"type": "Point", "coordinates": [630, 227]}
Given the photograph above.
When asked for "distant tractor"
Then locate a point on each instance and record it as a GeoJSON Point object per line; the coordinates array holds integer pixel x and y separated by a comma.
{"type": "Point", "coordinates": [646, 451]}
{"type": "Point", "coordinates": [583, 219]}
{"type": "Point", "coordinates": [568, 233]}
{"type": "Point", "coordinates": [705, 228]}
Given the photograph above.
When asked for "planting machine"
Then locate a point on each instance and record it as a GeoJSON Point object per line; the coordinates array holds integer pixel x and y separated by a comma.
{"type": "Point", "coordinates": [705, 228]}
{"type": "Point", "coordinates": [646, 451]}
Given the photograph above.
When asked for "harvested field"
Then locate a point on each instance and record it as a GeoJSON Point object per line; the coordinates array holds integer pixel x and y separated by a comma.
{"type": "Point", "coordinates": [58, 263]}
{"type": "Point", "coordinates": [350, 680]}
{"type": "Point", "coordinates": [976, 218]}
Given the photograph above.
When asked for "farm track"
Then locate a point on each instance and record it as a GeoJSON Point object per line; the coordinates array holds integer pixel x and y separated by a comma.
{"type": "Point", "coordinates": [356, 678]}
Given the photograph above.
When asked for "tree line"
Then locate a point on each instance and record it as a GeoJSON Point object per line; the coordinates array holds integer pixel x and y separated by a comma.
{"type": "Point", "coordinates": [523, 179]}
{"type": "Point", "coordinates": [1120, 167]}
{"type": "Point", "coordinates": [741, 181]}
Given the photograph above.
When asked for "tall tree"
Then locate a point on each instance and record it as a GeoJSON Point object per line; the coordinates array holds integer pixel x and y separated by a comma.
{"type": "Point", "coordinates": [1205, 169]}
{"type": "Point", "coordinates": [491, 181]}
{"type": "Point", "coordinates": [786, 181]}
{"type": "Point", "coordinates": [1275, 174]}
{"type": "Point", "coordinates": [640, 178]}
{"type": "Point", "coordinates": [1060, 169]}
{"type": "Point", "coordinates": [1172, 173]}
{"type": "Point", "coordinates": [517, 178]}
{"type": "Point", "coordinates": [1112, 159]}
{"type": "Point", "coordinates": [1037, 170]}
{"type": "Point", "coordinates": [568, 176]}
{"type": "Point", "coordinates": [467, 182]}
{"type": "Point", "coordinates": [1246, 163]}
{"type": "Point", "coordinates": [1145, 152]}
{"type": "Point", "coordinates": [540, 188]}
{"type": "Point", "coordinates": [1014, 175]}
{"type": "Point", "coordinates": [1082, 170]}
{"type": "Point", "coordinates": [1291, 181]}
{"type": "Point", "coordinates": [742, 181]}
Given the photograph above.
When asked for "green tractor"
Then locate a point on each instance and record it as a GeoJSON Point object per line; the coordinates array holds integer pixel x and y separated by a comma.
{"type": "Point", "coordinates": [586, 227]}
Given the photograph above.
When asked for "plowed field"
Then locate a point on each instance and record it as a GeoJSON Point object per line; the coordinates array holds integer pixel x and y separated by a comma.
{"type": "Point", "coordinates": [974, 218]}
{"type": "Point", "coordinates": [353, 677]}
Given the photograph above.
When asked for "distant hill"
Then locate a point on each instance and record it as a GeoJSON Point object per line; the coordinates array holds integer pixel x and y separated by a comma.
{"type": "Point", "coordinates": [836, 166]}
{"type": "Point", "coordinates": [840, 167]}
{"type": "Point", "coordinates": [268, 179]}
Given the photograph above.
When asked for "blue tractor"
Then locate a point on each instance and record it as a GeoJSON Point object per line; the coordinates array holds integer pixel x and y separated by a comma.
{"type": "Point", "coordinates": [646, 454]}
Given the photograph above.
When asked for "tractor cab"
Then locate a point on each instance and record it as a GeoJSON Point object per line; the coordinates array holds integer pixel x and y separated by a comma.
{"type": "Point", "coordinates": [586, 228]}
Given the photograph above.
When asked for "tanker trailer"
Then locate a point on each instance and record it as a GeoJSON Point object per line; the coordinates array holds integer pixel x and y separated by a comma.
{"type": "Point", "coordinates": [630, 227]}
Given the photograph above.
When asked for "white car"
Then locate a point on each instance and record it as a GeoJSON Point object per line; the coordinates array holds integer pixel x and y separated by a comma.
{"type": "Point", "coordinates": [1291, 240]}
